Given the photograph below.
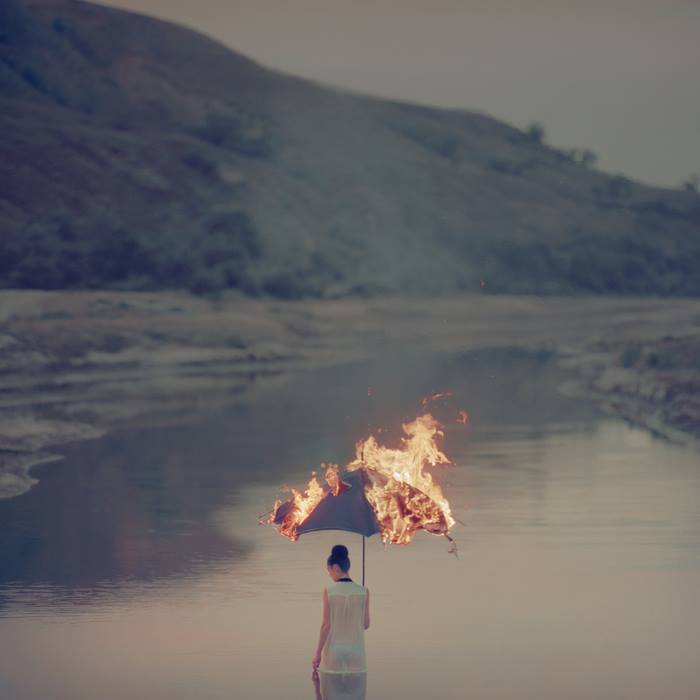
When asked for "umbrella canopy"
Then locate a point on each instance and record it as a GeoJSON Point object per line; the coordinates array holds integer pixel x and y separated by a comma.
{"type": "Point", "coordinates": [349, 510]}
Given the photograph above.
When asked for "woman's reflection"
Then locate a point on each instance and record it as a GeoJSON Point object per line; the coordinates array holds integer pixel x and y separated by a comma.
{"type": "Point", "coordinates": [340, 686]}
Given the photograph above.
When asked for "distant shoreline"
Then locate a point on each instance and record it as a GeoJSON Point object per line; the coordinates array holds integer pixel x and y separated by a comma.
{"type": "Point", "coordinates": [75, 365]}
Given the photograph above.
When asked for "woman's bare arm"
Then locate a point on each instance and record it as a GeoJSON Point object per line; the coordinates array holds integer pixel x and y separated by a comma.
{"type": "Point", "coordinates": [325, 629]}
{"type": "Point", "coordinates": [367, 610]}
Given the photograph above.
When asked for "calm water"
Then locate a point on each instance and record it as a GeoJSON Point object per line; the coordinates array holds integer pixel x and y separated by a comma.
{"type": "Point", "coordinates": [136, 568]}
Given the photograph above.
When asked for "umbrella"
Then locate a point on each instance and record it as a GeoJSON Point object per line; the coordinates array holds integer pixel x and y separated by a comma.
{"type": "Point", "coordinates": [384, 490]}
{"type": "Point", "coordinates": [345, 508]}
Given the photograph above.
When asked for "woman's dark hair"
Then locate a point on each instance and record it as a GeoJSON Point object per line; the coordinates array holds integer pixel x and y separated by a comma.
{"type": "Point", "coordinates": [339, 556]}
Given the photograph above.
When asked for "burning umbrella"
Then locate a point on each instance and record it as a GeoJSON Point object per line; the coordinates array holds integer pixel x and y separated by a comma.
{"type": "Point", "coordinates": [386, 491]}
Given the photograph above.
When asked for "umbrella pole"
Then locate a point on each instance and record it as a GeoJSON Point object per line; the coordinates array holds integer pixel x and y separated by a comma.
{"type": "Point", "coordinates": [363, 560]}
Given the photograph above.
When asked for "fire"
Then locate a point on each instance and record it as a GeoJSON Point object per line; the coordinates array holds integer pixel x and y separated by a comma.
{"type": "Point", "coordinates": [334, 480]}
{"type": "Point", "coordinates": [403, 496]}
{"type": "Point", "coordinates": [301, 505]}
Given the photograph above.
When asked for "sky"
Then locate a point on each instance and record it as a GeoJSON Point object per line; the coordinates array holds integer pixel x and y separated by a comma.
{"type": "Point", "coordinates": [619, 77]}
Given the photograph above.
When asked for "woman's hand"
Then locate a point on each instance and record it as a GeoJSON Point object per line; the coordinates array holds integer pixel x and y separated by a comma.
{"type": "Point", "coordinates": [316, 662]}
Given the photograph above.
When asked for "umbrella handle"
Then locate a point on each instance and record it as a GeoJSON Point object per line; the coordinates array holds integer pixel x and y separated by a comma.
{"type": "Point", "coordinates": [363, 560]}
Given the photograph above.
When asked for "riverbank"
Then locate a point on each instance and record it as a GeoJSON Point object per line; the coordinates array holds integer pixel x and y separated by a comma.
{"type": "Point", "coordinates": [75, 365]}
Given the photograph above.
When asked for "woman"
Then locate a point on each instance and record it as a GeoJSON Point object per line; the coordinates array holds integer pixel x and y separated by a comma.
{"type": "Point", "coordinates": [340, 655]}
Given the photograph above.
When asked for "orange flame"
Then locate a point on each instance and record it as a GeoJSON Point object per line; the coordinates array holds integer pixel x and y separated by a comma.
{"type": "Point", "coordinates": [404, 496]}
{"type": "Point", "coordinates": [301, 506]}
{"type": "Point", "coordinates": [334, 480]}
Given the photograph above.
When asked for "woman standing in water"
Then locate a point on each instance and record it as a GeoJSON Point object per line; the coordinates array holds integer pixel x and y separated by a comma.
{"type": "Point", "coordinates": [340, 656]}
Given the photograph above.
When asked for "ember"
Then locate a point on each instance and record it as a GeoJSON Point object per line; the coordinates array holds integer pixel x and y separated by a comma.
{"type": "Point", "coordinates": [463, 417]}
{"type": "Point", "coordinates": [435, 397]}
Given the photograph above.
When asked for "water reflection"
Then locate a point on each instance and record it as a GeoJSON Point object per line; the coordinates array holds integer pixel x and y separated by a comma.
{"type": "Point", "coordinates": [340, 686]}
{"type": "Point", "coordinates": [129, 507]}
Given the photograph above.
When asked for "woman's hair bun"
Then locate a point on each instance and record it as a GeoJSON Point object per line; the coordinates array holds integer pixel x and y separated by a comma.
{"type": "Point", "coordinates": [339, 556]}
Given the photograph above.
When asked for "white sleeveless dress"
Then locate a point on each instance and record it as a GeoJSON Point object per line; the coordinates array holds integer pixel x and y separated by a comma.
{"type": "Point", "coordinates": [343, 666]}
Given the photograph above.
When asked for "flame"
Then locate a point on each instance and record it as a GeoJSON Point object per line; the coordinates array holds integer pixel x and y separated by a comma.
{"type": "Point", "coordinates": [402, 494]}
{"type": "Point", "coordinates": [334, 480]}
{"type": "Point", "coordinates": [301, 505]}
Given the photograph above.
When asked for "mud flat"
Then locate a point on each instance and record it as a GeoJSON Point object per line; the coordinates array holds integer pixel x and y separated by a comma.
{"type": "Point", "coordinates": [654, 383]}
{"type": "Point", "coordinates": [74, 365]}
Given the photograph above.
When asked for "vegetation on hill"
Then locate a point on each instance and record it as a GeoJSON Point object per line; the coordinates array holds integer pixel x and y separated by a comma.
{"type": "Point", "coordinates": [138, 154]}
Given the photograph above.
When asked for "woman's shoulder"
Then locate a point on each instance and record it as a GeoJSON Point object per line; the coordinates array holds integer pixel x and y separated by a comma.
{"type": "Point", "coordinates": [345, 586]}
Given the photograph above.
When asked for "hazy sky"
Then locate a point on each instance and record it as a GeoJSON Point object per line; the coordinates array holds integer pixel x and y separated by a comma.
{"type": "Point", "coordinates": [620, 77]}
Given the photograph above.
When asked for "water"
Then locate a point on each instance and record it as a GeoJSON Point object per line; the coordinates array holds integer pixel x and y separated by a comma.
{"type": "Point", "coordinates": [136, 567]}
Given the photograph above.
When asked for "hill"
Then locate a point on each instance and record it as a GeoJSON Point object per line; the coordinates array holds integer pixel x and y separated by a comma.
{"type": "Point", "coordinates": [139, 154]}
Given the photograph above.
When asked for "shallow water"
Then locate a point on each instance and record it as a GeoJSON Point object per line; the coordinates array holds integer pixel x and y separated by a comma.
{"type": "Point", "coordinates": [136, 567]}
